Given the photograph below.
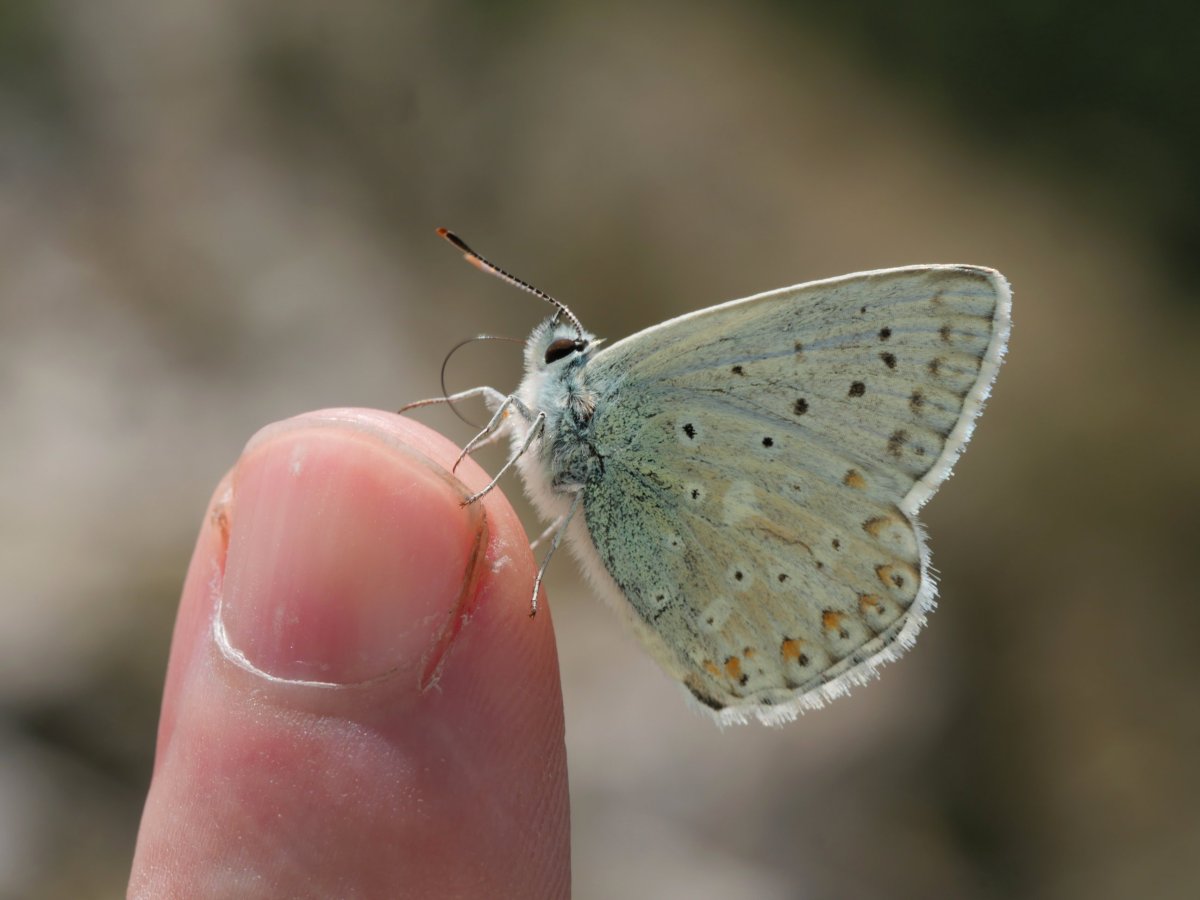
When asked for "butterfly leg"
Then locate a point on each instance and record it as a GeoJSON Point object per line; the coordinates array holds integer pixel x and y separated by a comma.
{"type": "Point", "coordinates": [550, 529]}
{"type": "Point", "coordinates": [490, 395]}
{"type": "Point", "coordinates": [534, 430]}
{"type": "Point", "coordinates": [493, 430]}
{"type": "Point", "coordinates": [563, 523]}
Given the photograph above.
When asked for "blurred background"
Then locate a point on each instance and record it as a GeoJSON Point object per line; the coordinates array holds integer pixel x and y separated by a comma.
{"type": "Point", "coordinates": [215, 214]}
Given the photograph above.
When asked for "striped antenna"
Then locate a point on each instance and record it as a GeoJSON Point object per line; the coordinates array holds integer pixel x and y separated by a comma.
{"type": "Point", "coordinates": [492, 269]}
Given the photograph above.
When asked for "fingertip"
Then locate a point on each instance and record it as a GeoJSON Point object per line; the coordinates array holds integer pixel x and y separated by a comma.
{"type": "Point", "coordinates": [350, 554]}
{"type": "Point", "coordinates": [376, 625]}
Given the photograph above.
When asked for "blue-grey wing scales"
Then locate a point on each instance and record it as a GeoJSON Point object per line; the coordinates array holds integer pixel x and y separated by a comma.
{"type": "Point", "coordinates": [762, 465]}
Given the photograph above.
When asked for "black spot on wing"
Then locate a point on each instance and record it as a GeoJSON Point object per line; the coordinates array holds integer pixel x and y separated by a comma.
{"type": "Point", "coordinates": [708, 700]}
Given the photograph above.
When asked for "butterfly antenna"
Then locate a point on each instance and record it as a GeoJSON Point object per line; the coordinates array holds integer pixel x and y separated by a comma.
{"type": "Point", "coordinates": [446, 362]}
{"type": "Point", "coordinates": [492, 269]}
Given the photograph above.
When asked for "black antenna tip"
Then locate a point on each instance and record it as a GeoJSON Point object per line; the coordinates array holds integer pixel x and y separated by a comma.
{"type": "Point", "coordinates": [454, 239]}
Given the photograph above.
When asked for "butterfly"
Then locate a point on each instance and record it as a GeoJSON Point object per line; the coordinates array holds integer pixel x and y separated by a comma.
{"type": "Point", "coordinates": [743, 481]}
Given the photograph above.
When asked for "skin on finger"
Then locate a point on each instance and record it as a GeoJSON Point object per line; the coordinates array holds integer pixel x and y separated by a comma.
{"type": "Point", "coordinates": [379, 719]}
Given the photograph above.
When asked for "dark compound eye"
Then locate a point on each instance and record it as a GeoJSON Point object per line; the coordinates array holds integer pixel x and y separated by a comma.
{"type": "Point", "coordinates": [563, 347]}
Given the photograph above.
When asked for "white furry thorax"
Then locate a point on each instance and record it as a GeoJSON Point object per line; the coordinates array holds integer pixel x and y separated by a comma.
{"type": "Point", "coordinates": [553, 466]}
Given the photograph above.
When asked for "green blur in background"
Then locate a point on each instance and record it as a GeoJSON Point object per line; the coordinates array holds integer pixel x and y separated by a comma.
{"type": "Point", "coordinates": [214, 215]}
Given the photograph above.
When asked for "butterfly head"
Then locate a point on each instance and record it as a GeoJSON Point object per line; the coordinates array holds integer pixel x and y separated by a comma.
{"type": "Point", "coordinates": [556, 345]}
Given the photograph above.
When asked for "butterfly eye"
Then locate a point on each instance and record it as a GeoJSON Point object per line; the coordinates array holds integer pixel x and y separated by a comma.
{"type": "Point", "coordinates": [563, 347]}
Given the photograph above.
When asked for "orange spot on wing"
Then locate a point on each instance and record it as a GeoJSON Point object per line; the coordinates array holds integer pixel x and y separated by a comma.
{"type": "Point", "coordinates": [874, 526]}
{"type": "Point", "coordinates": [854, 479]}
{"type": "Point", "coordinates": [749, 652]}
{"type": "Point", "coordinates": [869, 603]}
{"type": "Point", "coordinates": [790, 649]}
{"type": "Point", "coordinates": [711, 668]}
{"type": "Point", "coordinates": [899, 577]}
{"type": "Point", "coordinates": [733, 667]}
{"type": "Point", "coordinates": [831, 620]}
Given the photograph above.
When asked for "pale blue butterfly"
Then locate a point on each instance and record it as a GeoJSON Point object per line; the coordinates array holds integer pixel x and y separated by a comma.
{"type": "Point", "coordinates": [743, 481]}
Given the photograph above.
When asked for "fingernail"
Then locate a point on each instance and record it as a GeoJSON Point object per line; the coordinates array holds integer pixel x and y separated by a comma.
{"type": "Point", "coordinates": [348, 555]}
